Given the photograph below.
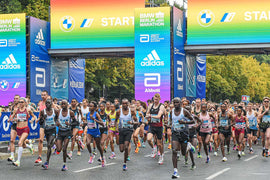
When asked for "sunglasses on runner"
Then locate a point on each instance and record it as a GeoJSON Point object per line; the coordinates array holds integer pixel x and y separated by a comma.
{"type": "Point", "coordinates": [21, 102]}
{"type": "Point", "coordinates": [266, 101]}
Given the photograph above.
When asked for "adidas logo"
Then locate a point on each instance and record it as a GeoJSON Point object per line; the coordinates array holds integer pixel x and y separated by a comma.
{"type": "Point", "coordinates": [86, 23]}
{"type": "Point", "coordinates": [152, 59]}
{"type": "Point", "coordinates": [10, 63]}
{"type": "Point", "coordinates": [40, 38]}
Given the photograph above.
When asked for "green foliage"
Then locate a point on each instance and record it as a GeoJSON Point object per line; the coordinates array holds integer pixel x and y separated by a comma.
{"type": "Point", "coordinates": [115, 74]}
{"type": "Point", "coordinates": [233, 76]}
{"type": "Point", "coordinates": [10, 6]}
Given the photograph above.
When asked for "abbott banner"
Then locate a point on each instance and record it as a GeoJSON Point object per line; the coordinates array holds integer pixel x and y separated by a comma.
{"type": "Point", "coordinates": [12, 57]}
{"type": "Point", "coordinates": [40, 64]}
{"type": "Point", "coordinates": [152, 53]}
{"type": "Point", "coordinates": [228, 21]}
{"type": "Point", "coordinates": [179, 30]}
{"type": "Point", "coordinates": [76, 79]}
{"type": "Point", "coordinates": [5, 127]}
{"type": "Point", "coordinates": [93, 23]}
{"type": "Point", "coordinates": [201, 76]}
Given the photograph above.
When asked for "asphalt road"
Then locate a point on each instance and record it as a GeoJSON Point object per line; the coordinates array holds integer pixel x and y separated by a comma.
{"type": "Point", "coordinates": [141, 167]}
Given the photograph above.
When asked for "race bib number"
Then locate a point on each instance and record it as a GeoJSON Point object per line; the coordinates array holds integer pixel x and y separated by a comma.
{"type": "Point", "coordinates": [91, 124]}
{"type": "Point", "coordinates": [205, 124]}
{"type": "Point", "coordinates": [266, 118]}
{"type": "Point", "coordinates": [155, 120]}
{"type": "Point", "coordinates": [50, 122]}
{"type": "Point", "coordinates": [224, 123]}
{"type": "Point", "coordinates": [21, 117]}
{"type": "Point", "coordinates": [126, 124]}
{"type": "Point", "coordinates": [239, 125]}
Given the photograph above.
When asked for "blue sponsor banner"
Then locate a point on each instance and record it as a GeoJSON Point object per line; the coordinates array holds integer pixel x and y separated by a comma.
{"type": "Point", "coordinates": [76, 79]}
{"type": "Point", "coordinates": [59, 79]}
{"type": "Point", "coordinates": [40, 64]}
{"type": "Point", "coordinates": [5, 127]}
{"type": "Point", "coordinates": [12, 57]}
{"type": "Point", "coordinates": [191, 76]}
{"type": "Point", "coordinates": [179, 33]}
{"type": "Point", "coordinates": [152, 53]}
{"type": "Point", "coordinates": [201, 75]}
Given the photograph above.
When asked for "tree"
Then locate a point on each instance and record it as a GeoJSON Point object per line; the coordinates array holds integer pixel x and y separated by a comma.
{"type": "Point", "coordinates": [10, 6]}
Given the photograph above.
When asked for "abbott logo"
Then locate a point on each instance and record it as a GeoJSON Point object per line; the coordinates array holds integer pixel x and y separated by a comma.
{"type": "Point", "coordinates": [40, 38]}
{"type": "Point", "coordinates": [180, 73]}
{"type": "Point", "coordinates": [6, 123]}
{"type": "Point", "coordinates": [40, 77]}
{"type": "Point", "coordinates": [10, 63]}
{"type": "Point", "coordinates": [152, 80]}
{"type": "Point", "coordinates": [144, 38]}
{"type": "Point", "coordinates": [152, 59]}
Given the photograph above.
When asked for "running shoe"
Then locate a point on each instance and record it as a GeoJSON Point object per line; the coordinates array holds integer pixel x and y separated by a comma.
{"type": "Point", "coordinates": [31, 149]}
{"type": "Point", "coordinates": [243, 153]}
{"type": "Point", "coordinates": [16, 163]}
{"type": "Point", "coordinates": [10, 159]}
{"type": "Point", "coordinates": [64, 168]}
{"type": "Point", "coordinates": [45, 165]}
{"type": "Point", "coordinates": [192, 167]}
{"type": "Point", "coordinates": [207, 159]}
{"type": "Point", "coordinates": [94, 152]}
{"type": "Point", "coordinates": [124, 167]}
{"type": "Point", "coordinates": [251, 151]}
{"type": "Point", "coordinates": [224, 159]}
{"type": "Point", "coordinates": [91, 159]}
{"type": "Point", "coordinates": [160, 161]}
{"type": "Point", "coordinates": [38, 161]}
{"type": "Point", "coordinates": [99, 159]}
{"type": "Point", "coordinates": [175, 175]}
{"type": "Point", "coordinates": [54, 148]}
{"type": "Point", "coordinates": [128, 158]}
{"type": "Point", "coordinates": [139, 144]}
{"type": "Point", "coordinates": [112, 156]}
{"type": "Point", "coordinates": [186, 162]}
{"type": "Point", "coordinates": [154, 153]}
{"type": "Point", "coordinates": [239, 155]}
{"type": "Point", "coordinates": [143, 145]}
{"type": "Point", "coordinates": [79, 153]}
{"type": "Point", "coordinates": [137, 150]}
{"type": "Point", "coordinates": [199, 155]}
{"type": "Point", "coordinates": [266, 153]}
{"type": "Point", "coordinates": [263, 153]}
{"type": "Point", "coordinates": [69, 155]}
{"type": "Point", "coordinates": [215, 153]}
{"type": "Point", "coordinates": [178, 157]}
{"type": "Point", "coordinates": [234, 147]}
{"type": "Point", "coordinates": [103, 162]}
{"type": "Point", "coordinates": [170, 146]}
{"type": "Point", "coordinates": [158, 153]}
{"type": "Point", "coordinates": [228, 152]}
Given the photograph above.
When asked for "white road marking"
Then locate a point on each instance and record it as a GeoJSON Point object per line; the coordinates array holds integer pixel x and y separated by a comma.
{"type": "Point", "coordinates": [218, 173]}
{"type": "Point", "coordinates": [251, 158]}
{"type": "Point", "coordinates": [95, 167]}
{"type": "Point", "coordinates": [150, 154]}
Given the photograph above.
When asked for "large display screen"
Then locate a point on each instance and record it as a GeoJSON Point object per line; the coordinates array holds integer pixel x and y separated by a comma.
{"type": "Point", "coordinates": [92, 23]}
{"type": "Point", "coordinates": [12, 57]}
{"type": "Point", "coordinates": [152, 53]}
{"type": "Point", "coordinates": [228, 21]}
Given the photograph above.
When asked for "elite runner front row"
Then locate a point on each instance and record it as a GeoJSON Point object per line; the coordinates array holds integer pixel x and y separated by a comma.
{"type": "Point", "coordinates": [183, 124]}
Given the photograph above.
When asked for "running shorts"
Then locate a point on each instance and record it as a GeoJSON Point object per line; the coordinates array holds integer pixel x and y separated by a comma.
{"type": "Point", "coordinates": [156, 131]}
{"type": "Point", "coordinates": [181, 137]}
{"type": "Point", "coordinates": [125, 135]}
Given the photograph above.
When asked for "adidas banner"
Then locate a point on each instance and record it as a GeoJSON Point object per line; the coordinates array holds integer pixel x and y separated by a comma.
{"type": "Point", "coordinates": [201, 75]}
{"type": "Point", "coordinates": [152, 53]}
{"type": "Point", "coordinates": [191, 76]}
{"type": "Point", "coordinates": [179, 53]}
{"type": "Point", "coordinates": [12, 57]}
{"type": "Point", "coordinates": [76, 79]}
{"type": "Point", "coordinates": [40, 64]}
{"type": "Point", "coordinates": [5, 127]}
{"type": "Point", "coordinates": [59, 79]}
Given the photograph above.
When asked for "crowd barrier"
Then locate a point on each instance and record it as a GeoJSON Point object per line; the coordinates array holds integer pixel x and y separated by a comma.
{"type": "Point", "coordinates": [5, 127]}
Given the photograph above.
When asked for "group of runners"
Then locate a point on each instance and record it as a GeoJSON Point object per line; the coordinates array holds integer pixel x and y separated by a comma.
{"type": "Point", "coordinates": [185, 125]}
